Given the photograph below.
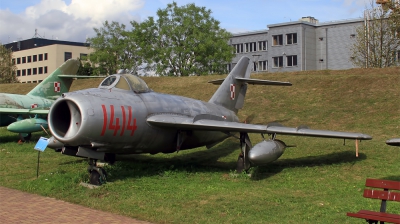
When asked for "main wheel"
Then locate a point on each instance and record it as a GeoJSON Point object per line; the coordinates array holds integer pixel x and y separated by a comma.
{"type": "Point", "coordinates": [25, 137]}
{"type": "Point", "coordinates": [240, 164]}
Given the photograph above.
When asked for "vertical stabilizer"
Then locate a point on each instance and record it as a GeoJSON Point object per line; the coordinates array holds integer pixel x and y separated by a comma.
{"type": "Point", "coordinates": [53, 86]}
{"type": "Point", "coordinates": [232, 92]}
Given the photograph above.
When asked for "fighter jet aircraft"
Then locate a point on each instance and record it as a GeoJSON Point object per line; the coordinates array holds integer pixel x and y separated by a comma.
{"type": "Point", "coordinates": [27, 113]}
{"type": "Point", "coordinates": [393, 142]}
{"type": "Point", "coordinates": [124, 116]}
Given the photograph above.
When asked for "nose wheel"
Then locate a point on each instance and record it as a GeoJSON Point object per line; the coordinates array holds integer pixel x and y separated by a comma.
{"type": "Point", "coordinates": [97, 175]}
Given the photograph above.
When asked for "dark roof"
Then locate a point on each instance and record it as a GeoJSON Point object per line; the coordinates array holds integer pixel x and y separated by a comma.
{"type": "Point", "coordinates": [39, 42]}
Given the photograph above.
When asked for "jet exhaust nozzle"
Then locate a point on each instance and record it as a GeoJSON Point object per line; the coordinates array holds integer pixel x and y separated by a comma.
{"type": "Point", "coordinates": [266, 152]}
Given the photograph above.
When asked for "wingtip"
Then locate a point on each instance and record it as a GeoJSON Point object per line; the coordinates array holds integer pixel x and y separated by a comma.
{"type": "Point", "coordinates": [365, 137]}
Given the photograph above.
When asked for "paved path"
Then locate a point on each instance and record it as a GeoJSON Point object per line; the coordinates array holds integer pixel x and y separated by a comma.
{"type": "Point", "coordinates": [20, 207]}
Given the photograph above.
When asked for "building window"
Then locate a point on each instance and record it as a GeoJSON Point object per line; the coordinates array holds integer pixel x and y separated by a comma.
{"type": "Point", "coordinates": [45, 69]}
{"type": "Point", "coordinates": [34, 81]}
{"type": "Point", "coordinates": [67, 55]}
{"type": "Point", "coordinates": [250, 47]}
{"type": "Point", "coordinates": [13, 61]}
{"type": "Point", "coordinates": [40, 57]}
{"type": "Point", "coordinates": [40, 70]}
{"type": "Point", "coordinates": [291, 38]}
{"type": "Point", "coordinates": [278, 62]}
{"type": "Point", "coordinates": [29, 71]}
{"type": "Point", "coordinates": [18, 60]}
{"type": "Point", "coordinates": [18, 72]}
{"type": "Point", "coordinates": [291, 60]}
{"type": "Point", "coordinates": [34, 71]}
{"type": "Point", "coordinates": [23, 72]}
{"type": "Point", "coordinates": [277, 40]}
{"type": "Point", "coordinates": [228, 66]}
{"type": "Point", "coordinates": [238, 48]}
{"type": "Point", "coordinates": [34, 58]}
{"type": "Point", "coordinates": [29, 59]}
{"type": "Point", "coordinates": [262, 45]}
{"type": "Point", "coordinates": [45, 56]}
{"type": "Point", "coordinates": [83, 56]}
{"type": "Point", "coordinates": [23, 60]}
{"type": "Point", "coordinates": [262, 65]}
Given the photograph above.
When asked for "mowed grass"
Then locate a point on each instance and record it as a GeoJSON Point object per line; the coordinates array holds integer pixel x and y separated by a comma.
{"type": "Point", "coordinates": [317, 181]}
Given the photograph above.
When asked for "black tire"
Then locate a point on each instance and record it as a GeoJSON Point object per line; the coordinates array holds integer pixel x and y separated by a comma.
{"type": "Point", "coordinates": [25, 137]}
{"type": "Point", "coordinates": [94, 178]}
{"type": "Point", "coordinates": [240, 164]}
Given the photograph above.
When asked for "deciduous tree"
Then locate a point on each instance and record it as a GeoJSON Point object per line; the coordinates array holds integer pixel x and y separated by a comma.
{"type": "Point", "coordinates": [7, 66]}
{"type": "Point", "coordinates": [183, 41]}
{"type": "Point", "coordinates": [113, 49]}
{"type": "Point", "coordinates": [377, 43]}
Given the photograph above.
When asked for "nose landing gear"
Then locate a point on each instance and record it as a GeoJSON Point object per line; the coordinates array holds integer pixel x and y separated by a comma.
{"type": "Point", "coordinates": [97, 175]}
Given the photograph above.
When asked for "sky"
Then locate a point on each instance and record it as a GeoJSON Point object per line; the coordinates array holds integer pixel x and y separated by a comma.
{"type": "Point", "coordinates": [74, 20]}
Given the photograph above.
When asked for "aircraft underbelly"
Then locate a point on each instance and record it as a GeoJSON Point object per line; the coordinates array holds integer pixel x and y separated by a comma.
{"type": "Point", "coordinates": [5, 120]}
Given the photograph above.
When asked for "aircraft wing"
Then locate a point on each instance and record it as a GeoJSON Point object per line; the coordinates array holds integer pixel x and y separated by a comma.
{"type": "Point", "coordinates": [188, 123]}
{"type": "Point", "coordinates": [23, 111]}
{"type": "Point", "coordinates": [393, 142]}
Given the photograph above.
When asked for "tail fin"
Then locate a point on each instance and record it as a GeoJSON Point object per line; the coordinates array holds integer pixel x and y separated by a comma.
{"type": "Point", "coordinates": [54, 85]}
{"type": "Point", "coordinates": [232, 91]}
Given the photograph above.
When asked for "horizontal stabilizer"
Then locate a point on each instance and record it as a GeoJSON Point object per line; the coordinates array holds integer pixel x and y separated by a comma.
{"type": "Point", "coordinates": [263, 82]}
{"type": "Point", "coordinates": [253, 82]}
{"type": "Point", "coordinates": [187, 123]}
{"type": "Point", "coordinates": [393, 142]}
{"type": "Point", "coordinates": [23, 111]}
{"type": "Point", "coordinates": [80, 76]}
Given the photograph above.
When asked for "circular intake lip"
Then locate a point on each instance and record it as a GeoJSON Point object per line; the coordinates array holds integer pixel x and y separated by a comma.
{"type": "Point", "coordinates": [65, 117]}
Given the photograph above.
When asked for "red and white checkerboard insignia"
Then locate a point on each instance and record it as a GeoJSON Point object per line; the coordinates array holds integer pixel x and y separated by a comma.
{"type": "Point", "coordinates": [232, 89]}
{"type": "Point", "coordinates": [57, 87]}
{"type": "Point", "coordinates": [34, 105]}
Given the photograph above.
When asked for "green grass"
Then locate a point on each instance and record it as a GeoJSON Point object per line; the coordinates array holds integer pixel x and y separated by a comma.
{"type": "Point", "coordinates": [316, 182]}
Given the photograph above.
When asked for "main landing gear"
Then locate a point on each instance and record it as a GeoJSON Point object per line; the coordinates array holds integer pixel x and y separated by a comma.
{"type": "Point", "coordinates": [97, 175]}
{"type": "Point", "coordinates": [243, 163]}
{"type": "Point", "coordinates": [25, 137]}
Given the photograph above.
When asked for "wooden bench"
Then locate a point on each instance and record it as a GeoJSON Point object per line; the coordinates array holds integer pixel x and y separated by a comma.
{"type": "Point", "coordinates": [387, 194]}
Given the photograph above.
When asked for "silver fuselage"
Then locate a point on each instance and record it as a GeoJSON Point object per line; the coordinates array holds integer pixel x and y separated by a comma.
{"type": "Point", "coordinates": [114, 120]}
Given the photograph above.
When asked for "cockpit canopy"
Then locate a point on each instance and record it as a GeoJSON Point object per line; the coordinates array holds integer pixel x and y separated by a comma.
{"type": "Point", "coordinates": [125, 81]}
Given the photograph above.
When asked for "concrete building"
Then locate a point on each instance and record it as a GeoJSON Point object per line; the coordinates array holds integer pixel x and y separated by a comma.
{"type": "Point", "coordinates": [37, 58]}
{"type": "Point", "coordinates": [298, 46]}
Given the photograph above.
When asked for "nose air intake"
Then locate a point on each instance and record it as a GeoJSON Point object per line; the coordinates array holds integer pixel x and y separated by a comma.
{"type": "Point", "coordinates": [65, 119]}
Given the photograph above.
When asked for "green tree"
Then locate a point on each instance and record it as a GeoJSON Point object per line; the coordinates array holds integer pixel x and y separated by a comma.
{"type": "Point", "coordinates": [85, 68]}
{"type": "Point", "coordinates": [114, 49]}
{"type": "Point", "coordinates": [376, 44]}
{"type": "Point", "coordinates": [183, 41]}
{"type": "Point", "coordinates": [7, 66]}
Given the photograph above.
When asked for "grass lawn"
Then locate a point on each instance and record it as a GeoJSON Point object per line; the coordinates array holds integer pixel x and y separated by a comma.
{"type": "Point", "coordinates": [317, 181]}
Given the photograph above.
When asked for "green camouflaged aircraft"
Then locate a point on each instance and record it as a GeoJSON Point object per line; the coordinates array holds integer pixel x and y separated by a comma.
{"type": "Point", "coordinates": [25, 114]}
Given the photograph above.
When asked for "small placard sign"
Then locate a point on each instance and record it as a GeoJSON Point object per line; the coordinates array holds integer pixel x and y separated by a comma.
{"type": "Point", "coordinates": [41, 144]}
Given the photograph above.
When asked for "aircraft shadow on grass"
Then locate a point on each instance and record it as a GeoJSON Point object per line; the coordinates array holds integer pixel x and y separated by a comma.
{"type": "Point", "coordinates": [136, 166]}
{"type": "Point", "coordinates": [264, 172]}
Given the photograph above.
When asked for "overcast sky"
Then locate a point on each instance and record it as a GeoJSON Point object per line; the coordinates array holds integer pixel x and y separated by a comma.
{"type": "Point", "coordinates": [73, 20]}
